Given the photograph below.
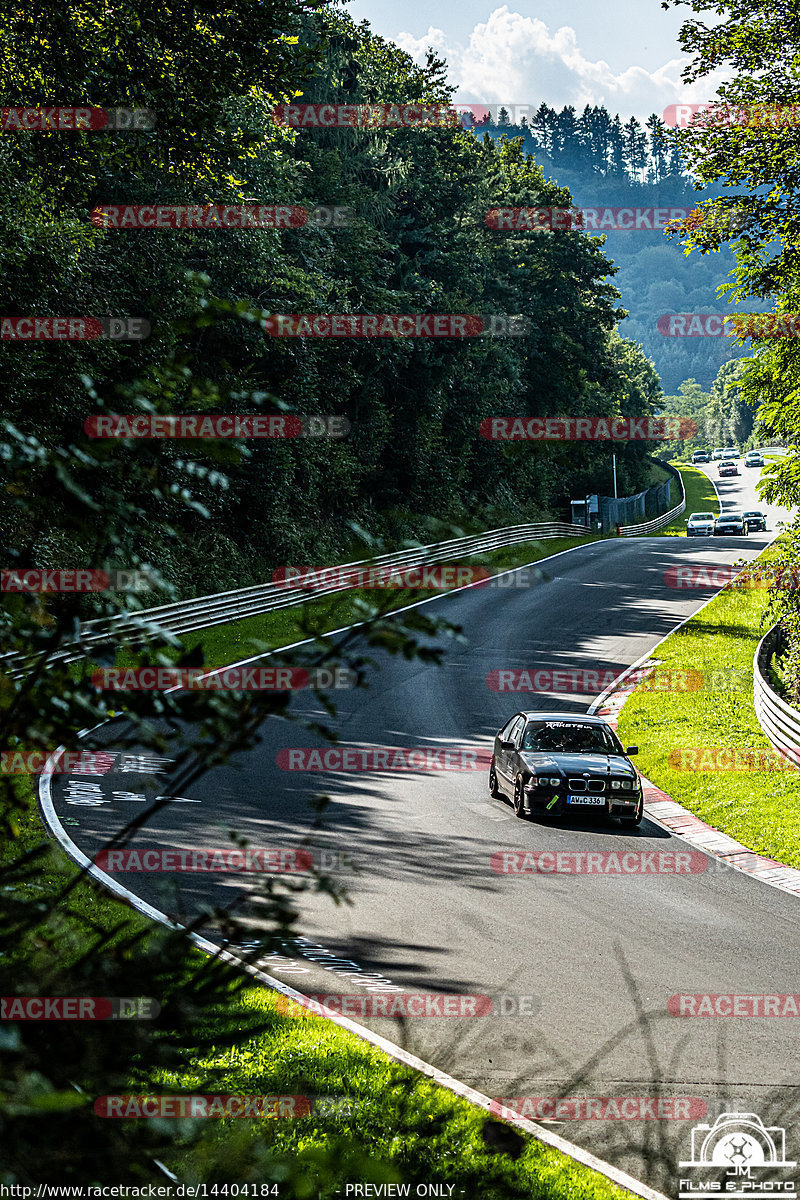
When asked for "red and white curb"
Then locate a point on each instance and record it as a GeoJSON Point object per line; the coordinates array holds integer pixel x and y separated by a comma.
{"type": "Point", "coordinates": [672, 816]}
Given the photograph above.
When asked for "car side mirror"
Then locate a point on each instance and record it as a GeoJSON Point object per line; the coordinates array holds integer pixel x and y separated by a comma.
{"type": "Point", "coordinates": [631, 750]}
{"type": "Point", "coordinates": [506, 745]}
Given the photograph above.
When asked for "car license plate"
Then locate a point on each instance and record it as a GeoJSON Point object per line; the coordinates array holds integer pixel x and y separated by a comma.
{"type": "Point", "coordinates": [586, 800]}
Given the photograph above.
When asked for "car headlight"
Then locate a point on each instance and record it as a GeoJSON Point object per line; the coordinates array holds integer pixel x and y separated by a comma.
{"type": "Point", "coordinates": [553, 782]}
{"type": "Point", "coordinates": [627, 784]}
{"type": "Point", "coordinates": [616, 784]}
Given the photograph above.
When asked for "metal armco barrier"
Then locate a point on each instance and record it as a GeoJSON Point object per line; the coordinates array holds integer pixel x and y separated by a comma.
{"type": "Point", "coordinates": [185, 616]}
{"type": "Point", "coordinates": [779, 721]}
{"type": "Point", "coordinates": [665, 519]}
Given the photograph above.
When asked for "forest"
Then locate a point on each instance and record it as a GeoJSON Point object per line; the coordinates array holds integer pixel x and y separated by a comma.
{"type": "Point", "coordinates": [415, 241]}
{"type": "Point", "coordinates": [608, 164]}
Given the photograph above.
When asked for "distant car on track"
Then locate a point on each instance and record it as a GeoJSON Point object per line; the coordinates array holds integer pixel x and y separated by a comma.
{"type": "Point", "coordinates": [717, 453]}
{"type": "Point", "coordinates": [558, 763]}
{"type": "Point", "coordinates": [754, 458]}
{"type": "Point", "coordinates": [701, 456]}
{"type": "Point", "coordinates": [730, 523]}
{"type": "Point", "coordinates": [700, 525]}
{"type": "Point", "coordinates": [728, 467]}
{"type": "Point", "coordinates": [730, 452]}
{"type": "Point", "coordinates": [756, 520]}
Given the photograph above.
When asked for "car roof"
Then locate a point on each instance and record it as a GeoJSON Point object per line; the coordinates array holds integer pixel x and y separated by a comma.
{"type": "Point", "coordinates": [583, 718]}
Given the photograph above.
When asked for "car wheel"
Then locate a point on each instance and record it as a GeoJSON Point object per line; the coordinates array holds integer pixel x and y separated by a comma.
{"type": "Point", "coordinates": [636, 819]}
{"type": "Point", "coordinates": [519, 799]}
{"type": "Point", "coordinates": [494, 790]}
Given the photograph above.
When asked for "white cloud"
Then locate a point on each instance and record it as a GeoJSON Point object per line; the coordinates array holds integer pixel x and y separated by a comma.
{"type": "Point", "coordinates": [512, 59]}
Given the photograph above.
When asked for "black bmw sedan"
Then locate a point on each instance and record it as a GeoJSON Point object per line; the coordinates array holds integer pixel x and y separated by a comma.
{"type": "Point", "coordinates": [557, 763]}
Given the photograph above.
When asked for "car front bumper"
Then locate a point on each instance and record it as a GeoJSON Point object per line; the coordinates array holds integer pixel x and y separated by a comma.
{"type": "Point", "coordinates": [540, 801]}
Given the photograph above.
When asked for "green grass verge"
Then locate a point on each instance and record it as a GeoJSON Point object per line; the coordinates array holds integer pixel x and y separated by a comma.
{"type": "Point", "coordinates": [409, 1129]}
{"type": "Point", "coordinates": [700, 497]}
{"type": "Point", "coordinates": [657, 474]}
{"type": "Point", "coordinates": [388, 1123]}
{"type": "Point", "coordinates": [760, 808]}
{"type": "Point", "coordinates": [229, 643]}
{"type": "Point", "coordinates": [392, 1124]}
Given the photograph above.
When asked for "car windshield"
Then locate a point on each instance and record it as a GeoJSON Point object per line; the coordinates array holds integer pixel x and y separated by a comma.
{"type": "Point", "coordinates": [570, 737]}
{"type": "Point", "coordinates": [702, 517]}
{"type": "Point", "coordinates": [751, 514]}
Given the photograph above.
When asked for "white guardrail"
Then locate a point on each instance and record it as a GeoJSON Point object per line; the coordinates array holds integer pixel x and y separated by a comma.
{"type": "Point", "coordinates": [666, 518]}
{"type": "Point", "coordinates": [185, 616]}
{"type": "Point", "coordinates": [779, 721]}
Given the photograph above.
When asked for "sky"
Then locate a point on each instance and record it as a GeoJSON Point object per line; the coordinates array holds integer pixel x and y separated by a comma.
{"type": "Point", "coordinates": [623, 54]}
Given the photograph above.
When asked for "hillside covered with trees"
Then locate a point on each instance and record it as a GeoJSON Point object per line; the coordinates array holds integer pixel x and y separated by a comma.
{"type": "Point", "coordinates": [606, 163]}
{"type": "Point", "coordinates": [419, 243]}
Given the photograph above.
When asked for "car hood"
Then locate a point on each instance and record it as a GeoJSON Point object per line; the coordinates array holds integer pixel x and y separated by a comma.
{"type": "Point", "coordinates": [702, 521]}
{"type": "Point", "coordinates": [576, 764]}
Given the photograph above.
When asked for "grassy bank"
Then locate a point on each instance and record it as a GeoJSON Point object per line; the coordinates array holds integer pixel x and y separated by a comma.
{"type": "Point", "coordinates": [760, 808]}
{"type": "Point", "coordinates": [370, 1121]}
{"type": "Point", "coordinates": [700, 497]}
{"type": "Point", "coordinates": [231, 642]}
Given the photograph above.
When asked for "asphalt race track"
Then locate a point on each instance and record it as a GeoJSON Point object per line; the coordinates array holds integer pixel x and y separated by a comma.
{"type": "Point", "coordinates": [597, 956]}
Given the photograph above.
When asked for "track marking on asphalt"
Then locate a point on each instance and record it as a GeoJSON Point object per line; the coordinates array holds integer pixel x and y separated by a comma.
{"type": "Point", "coordinates": [573, 1151]}
{"type": "Point", "coordinates": [487, 811]}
